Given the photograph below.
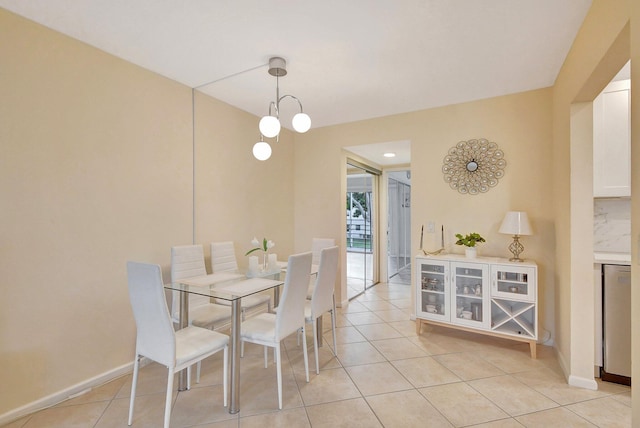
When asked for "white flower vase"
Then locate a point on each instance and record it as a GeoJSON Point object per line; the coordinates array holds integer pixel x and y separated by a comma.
{"type": "Point", "coordinates": [471, 252]}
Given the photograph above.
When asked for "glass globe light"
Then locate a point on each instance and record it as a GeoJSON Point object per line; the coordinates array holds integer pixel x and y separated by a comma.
{"type": "Point", "coordinates": [301, 122]}
{"type": "Point", "coordinates": [269, 126]}
{"type": "Point", "coordinates": [261, 150]}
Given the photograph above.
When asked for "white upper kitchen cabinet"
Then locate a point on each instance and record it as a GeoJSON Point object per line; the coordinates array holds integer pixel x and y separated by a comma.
{"type": "Point", "coordinates": [612, 141]}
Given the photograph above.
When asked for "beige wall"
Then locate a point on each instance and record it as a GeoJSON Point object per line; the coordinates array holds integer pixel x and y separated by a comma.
{"type": "Point", "coordinates": [520, 124]}
{"type": "Point", "coordinates": [601, 48]}
{"type": "Point", "coordinates": [96, 168]}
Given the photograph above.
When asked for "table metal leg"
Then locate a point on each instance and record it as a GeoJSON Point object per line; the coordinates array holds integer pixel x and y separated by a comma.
{"type": "Point", "coordinates": [184, 322]}
{"type": "Point", "coordinates": [234, 355]}
{"type": "Point", "coordinates": [319, 331]}
{"type": "Point", "coordinates": [276, 296]}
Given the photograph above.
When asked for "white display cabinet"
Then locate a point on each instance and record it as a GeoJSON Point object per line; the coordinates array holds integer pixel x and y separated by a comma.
{"type": "Point", "coordinates": [486, 295]}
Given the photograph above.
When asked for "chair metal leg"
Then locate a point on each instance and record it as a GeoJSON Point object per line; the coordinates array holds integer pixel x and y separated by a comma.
{"type": "Point", "coordinates": [279, 375]}
{"type": "Point", "coordinates": [315, 346]}
{"type": "Point", "coordinates": [134, 383]}
{"type": "Point", "coordinates": [167, 405]}
{"type": "Point", "coordinates": [304, 349]}
{"type": "Point", "coordinates": [333, 327]}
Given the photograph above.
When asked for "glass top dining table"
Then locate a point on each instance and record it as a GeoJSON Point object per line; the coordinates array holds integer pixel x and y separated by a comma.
{"type": "Point", "coordinates": [231, 287]}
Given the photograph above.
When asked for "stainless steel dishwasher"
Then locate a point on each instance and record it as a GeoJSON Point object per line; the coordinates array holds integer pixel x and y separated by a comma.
{"type": "Point", "coordinates": [616, 312]}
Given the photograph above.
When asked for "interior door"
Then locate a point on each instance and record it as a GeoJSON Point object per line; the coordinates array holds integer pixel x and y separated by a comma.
{"type": "Point", "coordinates": [399, 227]}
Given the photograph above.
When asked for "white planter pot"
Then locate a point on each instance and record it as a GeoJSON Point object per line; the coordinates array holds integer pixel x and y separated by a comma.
{"type": "Point", "coordinates": [471, 252]}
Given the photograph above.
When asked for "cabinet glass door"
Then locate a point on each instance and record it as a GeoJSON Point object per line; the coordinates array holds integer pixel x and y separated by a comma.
{"type": "Point", "coordinates": [433, 292]}
{"type": "Point", "coordinates": [470, 293]}
{"type": "Point", "coordinates": [513, 282]}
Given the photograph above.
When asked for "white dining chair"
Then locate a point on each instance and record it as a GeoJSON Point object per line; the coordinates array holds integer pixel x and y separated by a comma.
{"type": "Point", "coordinates": [317, 244]}
{"type": "Point", "coordinates": [223, 259]}
{"type": "Point", "coordinates": [156, 338]}
{"type": "Point", "coordinates": [323, 298]}
{"type": "Point", "coordinates": [269, 329]}
{"type": "Point", "coordinates": [187, 261]}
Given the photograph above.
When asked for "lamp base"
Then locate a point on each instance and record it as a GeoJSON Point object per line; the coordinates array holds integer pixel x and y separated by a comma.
{"type": "Point", "coordinates": [516, 248]}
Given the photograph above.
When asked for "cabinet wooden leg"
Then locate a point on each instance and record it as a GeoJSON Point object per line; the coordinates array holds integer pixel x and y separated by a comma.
{"type": "Point", "coordinates": [418, 325]}
{"type": "Point", "coordinates": [532, 346]}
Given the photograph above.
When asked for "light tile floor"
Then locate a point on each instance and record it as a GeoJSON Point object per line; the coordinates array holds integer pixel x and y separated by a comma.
{"type": "Point", "coordinates": [356, 263]}
{"type": "Point", "coordinates": [384, 376]}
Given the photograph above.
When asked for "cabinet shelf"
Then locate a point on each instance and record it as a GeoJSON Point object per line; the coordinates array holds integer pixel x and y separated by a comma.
{"type": "Point", "coordinates": [432, 291]}
{"type": "Point", "coordinates": [469, 276]}
{"type": "Point", "coordinates": [469, 296]}
{"type": "Point", "coordinates": [513, 281]}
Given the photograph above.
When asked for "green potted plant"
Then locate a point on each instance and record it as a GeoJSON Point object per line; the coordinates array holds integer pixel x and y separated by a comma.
{"type": "Point", "coordinates": [470, 241]}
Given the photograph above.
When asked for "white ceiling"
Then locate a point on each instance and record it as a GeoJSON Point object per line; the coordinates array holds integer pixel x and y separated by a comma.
{"type": "Point", "coordinates": [375, 152]}
{"type": "Point", "coordinates": [347, 60]}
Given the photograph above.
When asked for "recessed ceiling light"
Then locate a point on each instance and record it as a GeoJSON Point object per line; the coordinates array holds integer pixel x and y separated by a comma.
{"type": "Point", "coordinates": [389, 155]}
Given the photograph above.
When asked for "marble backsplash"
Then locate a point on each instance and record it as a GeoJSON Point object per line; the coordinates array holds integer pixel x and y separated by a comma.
{"type": "Point", "coordinates": [612, 225]}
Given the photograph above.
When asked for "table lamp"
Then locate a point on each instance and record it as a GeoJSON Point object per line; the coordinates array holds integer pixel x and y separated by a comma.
{"type": "Point", "coordinates": [516, 223]}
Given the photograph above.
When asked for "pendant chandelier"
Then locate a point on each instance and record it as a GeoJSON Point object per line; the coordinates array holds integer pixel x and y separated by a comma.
{"type": "Point", "coordinates": [270, 125]}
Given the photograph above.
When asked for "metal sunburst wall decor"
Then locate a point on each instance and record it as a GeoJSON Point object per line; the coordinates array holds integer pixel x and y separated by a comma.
{"type": "Point", "coordinates": [473, 166]}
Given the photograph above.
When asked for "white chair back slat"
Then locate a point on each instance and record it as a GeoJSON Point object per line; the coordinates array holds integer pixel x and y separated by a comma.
{"type": "Point", "coordinates": [290, 315]}
{"type": "Point", "coordinates": [155, 335]}
{"type": "Point", "coordinates": [223, 257]}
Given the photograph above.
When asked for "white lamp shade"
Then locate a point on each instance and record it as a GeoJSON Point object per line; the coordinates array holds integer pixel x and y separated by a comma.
{"type": "Point", "coordinates": [516, 223]}
{"type": "Point", "coordinates": [301, 122]}
{"type": "Point", "coordinates": [269, 126]}
{"type": "Point", "coordinates": [262, 150]}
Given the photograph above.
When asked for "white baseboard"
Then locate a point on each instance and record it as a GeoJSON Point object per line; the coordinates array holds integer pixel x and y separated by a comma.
{"type": "Point", "coordinates": [67, 393]}
{"type": "Point", "coordinates": [582, 382]}
{"type": "Point", "coordinates": [573, 380]}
